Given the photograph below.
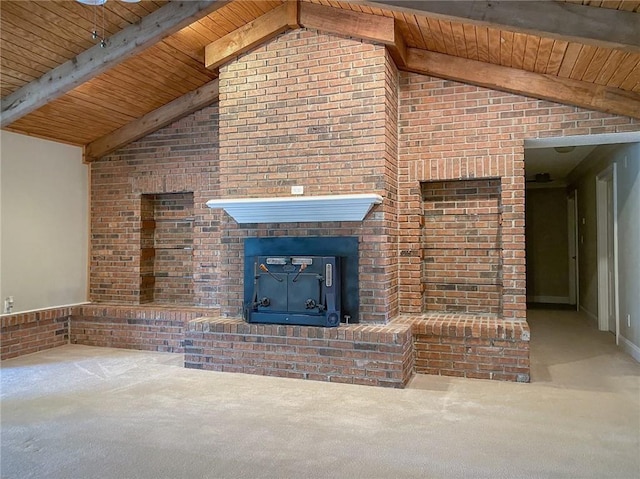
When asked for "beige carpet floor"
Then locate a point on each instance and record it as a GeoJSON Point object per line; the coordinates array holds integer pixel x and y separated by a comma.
{"type": "Point", "coordinates": [84, 412]}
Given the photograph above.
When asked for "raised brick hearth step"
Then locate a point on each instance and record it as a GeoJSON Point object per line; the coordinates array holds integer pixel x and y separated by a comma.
{"type": "Point", "coordinates": [472, 346]}
{"type": "Point", "coordinates": [449, 344]}
{"type": "Point", "coordinates": [376, 355]}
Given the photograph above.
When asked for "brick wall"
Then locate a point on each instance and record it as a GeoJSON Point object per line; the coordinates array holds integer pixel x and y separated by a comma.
{"type": "Point", "coordinates": [126, 187]}
{"type": "Point", "coordinates": [461, 240]}
{"type": "Point", "coordinates": [25, 333]}
{"type": "Point", "coordinates": [312, 109]}
{"type": "Point", "coordinates": [172, 247]}
{"type": "Point", "coordinates": [293, 112]}
{"type": "Point", "coordinates": [452, 131]}
{"type": "Point", "coordinates": [333, 115]}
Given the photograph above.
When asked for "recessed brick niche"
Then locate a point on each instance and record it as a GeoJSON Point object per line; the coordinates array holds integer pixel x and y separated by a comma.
{"type": "Point", "coordinates": [461, 241]}
{"type": "Point", "coordinates": [166, 242]}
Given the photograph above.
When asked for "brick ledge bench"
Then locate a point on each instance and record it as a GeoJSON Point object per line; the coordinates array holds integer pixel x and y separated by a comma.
{"type": "Point", "coordinates": [28, 332]}
{"type": "Point", "coordinates": [151, 327]}
{"type": "Point", "coordinates": [471, 346]}
{"type": "Point", "coordinates": [376, 355]}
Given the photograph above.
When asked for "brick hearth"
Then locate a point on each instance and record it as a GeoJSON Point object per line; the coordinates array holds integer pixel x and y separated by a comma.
{"type": "Point", "coordinates": [380, 355]}
{"type": "Point", "coordinates": [357, 354]}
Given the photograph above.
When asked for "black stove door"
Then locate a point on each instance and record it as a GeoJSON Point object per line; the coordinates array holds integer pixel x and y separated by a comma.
{"type": "Point", "coordinates": [303, 293]}
{"type": "Point", "coordinates": [271, 292]}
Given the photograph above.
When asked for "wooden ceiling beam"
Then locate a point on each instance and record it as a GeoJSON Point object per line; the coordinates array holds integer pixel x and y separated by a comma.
{"type": "Point", "coordinates": [604, 27]}
{"type": "Point", "coordinates": [535, 85]}
{"type": "Point", "coordinates": [90, 63]}
{"type": "Point", "coordinates": [263, 28]}
{"type": "Point", "coordinates": [365, 26]}
{"type": "Point", "coordinates": [163, 116]}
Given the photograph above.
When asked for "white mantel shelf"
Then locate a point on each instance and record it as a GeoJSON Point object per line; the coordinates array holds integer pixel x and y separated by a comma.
{"type": "Point", "coordinates": [298, 209]}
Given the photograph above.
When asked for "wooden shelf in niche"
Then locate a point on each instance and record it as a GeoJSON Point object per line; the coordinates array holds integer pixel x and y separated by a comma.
{"type": "Point", "coordinates": [175, 220]}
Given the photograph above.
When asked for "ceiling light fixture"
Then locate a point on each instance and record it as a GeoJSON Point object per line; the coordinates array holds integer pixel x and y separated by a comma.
{"type": "Point", "coordinates": [100, 3]}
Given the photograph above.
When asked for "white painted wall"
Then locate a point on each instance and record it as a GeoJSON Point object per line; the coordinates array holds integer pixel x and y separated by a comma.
{"type": "Point", "coordinates": [627, 157]}
{"type": "Point", "coordinates": [44, 227]}
{"type": "Point", "coordinates": [629, 241]}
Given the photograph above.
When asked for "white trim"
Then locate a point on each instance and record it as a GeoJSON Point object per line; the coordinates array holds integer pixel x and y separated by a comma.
{"type": "Point", "coordinates": [583, 140]}
{"type": "Point", "coordinates": [609, 173]}
{"type": "Point", "coordinates": [44, 309]}
{"type": "Point", "coordinates": [573, 247]}
{"type": "Point", "coordinates": [601, 251]}
{"type": "Point", "coordinates": [615, 250]}
{"type": "Point", "coordinates": [630, 348]}
{"type": "Point", "coordinates": [549, 299]}
{"type": "Point", "coordinates": [591, 315]}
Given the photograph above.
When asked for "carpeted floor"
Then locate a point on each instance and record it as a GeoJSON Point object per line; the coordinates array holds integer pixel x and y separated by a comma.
{"type": "Point", "coordinates": [83, 412]}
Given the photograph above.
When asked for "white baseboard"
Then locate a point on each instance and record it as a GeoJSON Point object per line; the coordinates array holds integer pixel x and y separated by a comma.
{"type": "Point", "coordinates": [592, 316]}
{"type": "Point", "coordinates": [630, 348]}
{"type": "Point", "coordinates": [548, 299]}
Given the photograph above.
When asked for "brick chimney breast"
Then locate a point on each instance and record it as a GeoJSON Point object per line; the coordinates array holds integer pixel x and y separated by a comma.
{"type": "Point", "coordinates": [304, 109]}
{"type": "Point", "coordinates": [314, 110]}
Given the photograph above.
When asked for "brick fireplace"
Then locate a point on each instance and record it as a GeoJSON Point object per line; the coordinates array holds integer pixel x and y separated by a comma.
{"type": "Point", "coordinates": [441, 278]}
{"type": "Point", "coordinates": [318, 121]}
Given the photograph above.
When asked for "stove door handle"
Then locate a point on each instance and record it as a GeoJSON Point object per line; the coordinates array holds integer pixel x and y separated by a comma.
{"type": "Point", "coordinates": [303, 266]}
{"type": "Point", "coordinates": [266, 270]}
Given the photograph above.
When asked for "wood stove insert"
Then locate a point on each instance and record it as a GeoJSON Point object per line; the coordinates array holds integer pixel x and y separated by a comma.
{"type": "Point", "coordinates": [301, 280]}
{"type": "Point", "coordinates": [302, 290]}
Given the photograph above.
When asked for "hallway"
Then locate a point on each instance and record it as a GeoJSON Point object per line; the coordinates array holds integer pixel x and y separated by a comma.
{"type": "Point", "coordinates": [568, 350]}
{"type": "Point", "coordinates": [85, 412]}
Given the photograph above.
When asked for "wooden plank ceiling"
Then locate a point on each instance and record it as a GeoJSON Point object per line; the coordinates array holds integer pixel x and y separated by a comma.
{"type": "Point", "coordinates": [38, 36]}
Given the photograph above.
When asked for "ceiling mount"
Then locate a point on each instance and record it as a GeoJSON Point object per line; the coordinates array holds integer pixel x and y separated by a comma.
{"type": "Point", "coordinates": [100, 3]}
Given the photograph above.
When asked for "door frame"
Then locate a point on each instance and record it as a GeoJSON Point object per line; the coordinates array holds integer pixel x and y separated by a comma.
{"type": "Point", "coordinates": [606, 176]}
{"type": "Point", "coordinates": [573, 251]}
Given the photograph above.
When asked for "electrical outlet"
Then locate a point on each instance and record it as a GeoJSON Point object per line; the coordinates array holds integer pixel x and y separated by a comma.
{"type": "Point", "coordinates": [628, 320]}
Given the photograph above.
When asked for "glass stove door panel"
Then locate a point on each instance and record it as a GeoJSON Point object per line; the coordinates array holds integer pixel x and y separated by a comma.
{"type": "Point", "coordinates": [305, 287]}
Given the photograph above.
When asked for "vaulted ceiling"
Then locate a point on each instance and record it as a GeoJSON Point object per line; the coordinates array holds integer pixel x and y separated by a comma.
{"type": "Point", "coordinates": [160, 59]}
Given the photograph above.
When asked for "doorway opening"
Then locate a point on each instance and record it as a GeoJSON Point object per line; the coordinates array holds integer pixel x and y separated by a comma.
{"type": "Point", "coordinates": [600, 198]}
{"type": "Point", "coordinates": [552, 232]}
